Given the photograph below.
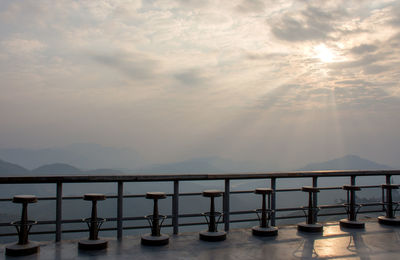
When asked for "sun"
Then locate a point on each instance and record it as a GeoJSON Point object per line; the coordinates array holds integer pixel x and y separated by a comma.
{"type": "Point", "coordinates": [324, 53]}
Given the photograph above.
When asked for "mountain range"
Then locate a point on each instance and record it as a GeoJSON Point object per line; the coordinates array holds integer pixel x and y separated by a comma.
{"type": "Point", "coordinates": [348, 162]}
{"type": "Point", "coordinates": [82, 155]}
{"type": "Point", "coordinates": [196, 165]}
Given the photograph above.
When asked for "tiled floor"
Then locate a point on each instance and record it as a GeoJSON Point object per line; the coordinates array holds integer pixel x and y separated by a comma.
{"type": "Point", "coordinates": [375, 242]}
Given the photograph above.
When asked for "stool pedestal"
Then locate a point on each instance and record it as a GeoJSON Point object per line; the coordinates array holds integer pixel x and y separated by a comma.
{"type": "Point", "coordinates": [264, 229]}
{"type": "Point", "coordinates": [24, 246]}
{"type": "Point", "coordinates": [212, 234]}
{"type": "Point", "coordinates": [155, 238]}
{"type": "Point", "coordinates": [390, 207]}
{"type": "Point", "coordinates": [94, 223]}
{"type": "Point", "coordinates": [311, 211]}
{"type": "Point", "coordinates": [351, 208]}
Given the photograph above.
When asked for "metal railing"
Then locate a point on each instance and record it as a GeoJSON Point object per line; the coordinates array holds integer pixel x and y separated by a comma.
{"type": "Point", "coordinates": [175, 179]}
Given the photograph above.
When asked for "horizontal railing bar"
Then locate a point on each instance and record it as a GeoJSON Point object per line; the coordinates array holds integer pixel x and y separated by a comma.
{"type": "Point", "coordinates": [191, 193]}
{"type": "Point", "coordinates": [189, 215]}
{"type": "Point", "coordinates": [188, 177]}
{"type": "Point", "coordinates": [183, 224]}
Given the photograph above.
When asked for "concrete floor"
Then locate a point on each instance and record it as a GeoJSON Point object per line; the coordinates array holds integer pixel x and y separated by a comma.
{"type": "Point", "coordinates": [375, 242]}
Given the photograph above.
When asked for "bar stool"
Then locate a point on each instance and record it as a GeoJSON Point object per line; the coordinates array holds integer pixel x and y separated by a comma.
{"type": "Point", "coordinates": [352, 208]}
{"type": "Point", "coordinates": [310, 212]}
{"type": "Point", "coordinates": [24, 246]}
{"type": "Point", "coordinates": [390, 206]}
{"type": "Point", "coordinates": [94, 223]}
{"type": "Point", "coordinates": [264, 229]}
{"type": "Point", "coordinates": [212, 234]}
{"type": "Point", "coordinates": [155, 238]}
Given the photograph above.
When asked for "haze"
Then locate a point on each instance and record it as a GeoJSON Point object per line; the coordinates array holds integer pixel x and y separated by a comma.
{"type": "Point", "coordinates": [280, 83]}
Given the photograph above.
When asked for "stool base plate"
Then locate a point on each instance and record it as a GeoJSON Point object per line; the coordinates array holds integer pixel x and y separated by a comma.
{"type": "Point", "coordinates": [20, 250]}
{"type": "Point", "coordinates": [92, 244]}
{"type": "Point", "coordinates": [345, 223]}
{"type": "Point", "coordinates": [212, 236]}
{"type": "Point", "coordinates": [150, 240]}
{"type": "Point", "coordinates": [389, 221]}
{"type": "Point", "coordinates": [264, 232]}
{"type": "Point", "coordinates": [314, 228]}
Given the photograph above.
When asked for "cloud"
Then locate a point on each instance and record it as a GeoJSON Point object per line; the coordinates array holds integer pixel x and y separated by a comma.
{"type": "Point", "coordinates": [133, 65]}
{"type": "Point", "coordinates": [250, 6]}
{"type": "Point", "coordinates": [191, 78]}
{"type": "Point", "coordinates": [364, 48]}
{"type": "Point", "coordinates": [310, 24]}
{"type": "Point", "coordinates": [375, 69]}
{"type": "Point", "coordinates": [20, 46]}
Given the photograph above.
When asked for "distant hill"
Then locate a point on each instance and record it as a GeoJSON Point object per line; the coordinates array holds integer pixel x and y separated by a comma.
{"type": "Point", "coordinates": [83, 155]}
{"type": "Point", "coordinates": [7, 168]}
{"type": "Point", "coordinates": [103, 171]}
{"type": "Point", "coordinates": [56, 168]}
{"type": "Point", "coordinates": [348, 162]}
{"type": "Point", "coordinates": [212, 164]}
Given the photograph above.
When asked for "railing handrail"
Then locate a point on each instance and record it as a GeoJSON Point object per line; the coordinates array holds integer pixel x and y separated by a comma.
{"type": "Point", "coordinates": [191, 176]}
{"type": "Point", "coordinates": [59, 180]}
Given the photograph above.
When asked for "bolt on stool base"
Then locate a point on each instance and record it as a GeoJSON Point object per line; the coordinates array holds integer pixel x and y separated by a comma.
{"type": "Point", "coordinates": [264, 232]}
{"type": "Point", "coordinates": [21, 250]}
{"type": "Point", "coordinates": [92, 244]}
{"type": "Point", "coordinates": [346, 223]}
{"type": "Point", "coordinates": [389, 221]}
{"type": "Point", "coordinates": [212, 236]}
{"type": "Point", "coordinates": [314, 228]}
{"type": "Point", "coordinates": [150, 240]}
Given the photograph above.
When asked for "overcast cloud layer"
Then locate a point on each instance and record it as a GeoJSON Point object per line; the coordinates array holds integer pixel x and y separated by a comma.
{"type": "Point", "coordinates": [277, 82]}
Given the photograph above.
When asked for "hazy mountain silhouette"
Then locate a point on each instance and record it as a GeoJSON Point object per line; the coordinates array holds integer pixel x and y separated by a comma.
{"type": "Point", "coordinates": [212, 164]}
{"type": "Point", "coordinates": [7, 168]}
{"type": "Point", "coordinates": [83, 155]}
{"type": "Point", "coordinates": [103, 171]}
{"type": "Point", "coordinates": [56, 168]}
{"type": "Point", "coordinates": [348, 162]}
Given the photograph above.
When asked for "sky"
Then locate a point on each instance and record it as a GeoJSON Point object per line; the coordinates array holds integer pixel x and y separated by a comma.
{"type": "Point", "coordinates": [280, 83]}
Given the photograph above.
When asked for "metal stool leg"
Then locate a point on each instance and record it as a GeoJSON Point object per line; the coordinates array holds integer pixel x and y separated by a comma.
{"type": "Point", "coordinates": [212, 233]}
{"type": "Point", "coordinates": [264, 229]}
{"type": "Point", "coordinates": [155, 238]}
{"type": "Point", "coordinates": [24, 246]}
{"type": "Point", "coordinates": [311, 212]}
{"type": "Point", "coordinates": [352, 209]}
{"type": "Point", "coordinates": [94, 223]}
{"type": "Point", "coordinates": [390, 208]}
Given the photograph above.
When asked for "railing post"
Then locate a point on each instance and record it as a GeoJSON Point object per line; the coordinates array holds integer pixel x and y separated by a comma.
{"type": "Point", "coordinates": [120, 208]}
{"type": "Point", "coordinates": [273, 201]}
{"type": "Point", "coordinates": [315, 198]}
{"type": "Point", "coordinates": [353, 180]}
{"type": "Point", "coordinates": [388, 181]}
{"type": "Point", "coordinates": [175, 208]}
{"type": "Point", "coordinates": [58, 211]}
{"type": "Point", "coordinates": [226, 204]}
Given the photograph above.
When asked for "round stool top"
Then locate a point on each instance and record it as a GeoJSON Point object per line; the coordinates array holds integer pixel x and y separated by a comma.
{"type": "Point", "coordinates": [309, 189]}
{"type": "Point", "coordinates": [390, 186]}
{"type": "Point", "coordinates": [155, 195]}
{"type": "Point", "coordinates": [212, 193]}
{"type": "Point", "coordinates": [351, 187]}
{"type": "Point", "coordinates": [94, 196]}
{"type": "Point", "coordinates": [24, 199]}
{"type": "Point", "coordinates": [263, 191]}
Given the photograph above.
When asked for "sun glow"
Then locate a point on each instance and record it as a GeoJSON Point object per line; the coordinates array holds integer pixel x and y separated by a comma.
{"type": "Point", "coordinates": [324, 53]}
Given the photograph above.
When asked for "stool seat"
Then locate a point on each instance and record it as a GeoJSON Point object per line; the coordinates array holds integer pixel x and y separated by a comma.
{"type": "Point", "coordinates": [24, 199]}
{"type": "Point", "coordinates": [390, 186]}
{"type": "Point", "coordinates": [94, 196]}
{"type": "Point", "coordinates": [309, 189]}
{"type": "Point", "coordinates": [351, 187]}
{"type": "Point", "coordinates": [155, 195]}
{"type": "Point", "coordinates": [263, 191]}
{"type": "Point", "coordinates": [212, 193]}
